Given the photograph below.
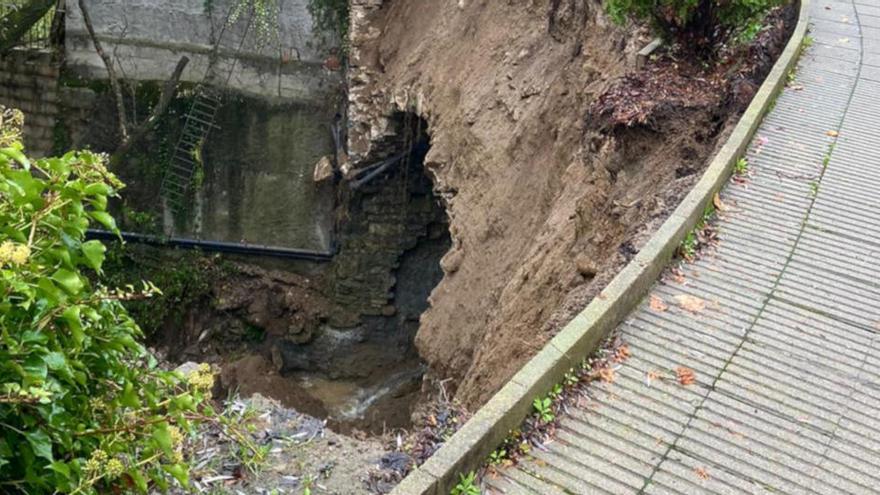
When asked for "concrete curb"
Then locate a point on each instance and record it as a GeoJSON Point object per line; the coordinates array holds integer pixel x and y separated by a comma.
{"type": "Point", "coordinates": [470, 446]}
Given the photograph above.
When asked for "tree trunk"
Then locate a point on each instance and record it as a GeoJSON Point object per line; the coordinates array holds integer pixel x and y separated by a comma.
{"type": "Point", "coordinates": [17, 23]}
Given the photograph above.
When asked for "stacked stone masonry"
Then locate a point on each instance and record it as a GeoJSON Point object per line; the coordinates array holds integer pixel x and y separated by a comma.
{"type": "Point", "coordinates": [29, 82]}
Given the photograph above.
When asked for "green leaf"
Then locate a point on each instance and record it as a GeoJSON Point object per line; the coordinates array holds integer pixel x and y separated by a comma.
{"type": "Point", "coordinates": [49, 291]}
{"type": "Point", "coordinates": [74, 323]}
{"type": "Point", "coordinates": [41, 443]}
{"type": "Point", "coordinates": [17, 156]}
{"type": "Point", "coordinates": [35, 368]}
{"type": "Point", "coordinates": [61, 468]}
{"type": "Point", "coordinates": [70, 281]}
{"type": "Point", "coordinates": [104, 219]}
{"type": "Point", "coordinates": [139, 481]}
{"type": "Point", "coordinates": [98, 189]}
{"type": "Point", "coordinates": [55, 360]}
{"type": "Point", "coordinates": [163, 438]}
{"type": "Point", "coordinates": [180, 473]}
{"type": "Point", "coordinates": [130, 398]}
{"type": "Point", "coordinates": [94, 254]}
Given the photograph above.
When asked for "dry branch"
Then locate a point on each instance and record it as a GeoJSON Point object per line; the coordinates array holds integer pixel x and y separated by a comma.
{"type": "Point", "coordinates": [111, 72]}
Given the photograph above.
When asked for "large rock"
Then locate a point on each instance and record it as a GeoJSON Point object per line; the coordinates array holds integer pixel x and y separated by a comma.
{"type": "Point", "coordinates": [323, 169]}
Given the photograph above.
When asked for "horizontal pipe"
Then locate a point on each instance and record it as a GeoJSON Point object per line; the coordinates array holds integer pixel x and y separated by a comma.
{"type": "Point", "coordinates": [216, 246]}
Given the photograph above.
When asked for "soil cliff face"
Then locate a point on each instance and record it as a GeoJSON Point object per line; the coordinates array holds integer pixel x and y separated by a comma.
{"type": "Point", "coordinates": [504, 86]}
{"type": "Point", "coordinates": [556, 159]}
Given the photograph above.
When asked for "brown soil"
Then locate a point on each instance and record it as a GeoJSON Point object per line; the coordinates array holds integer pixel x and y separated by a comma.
{"type": "Point", "coordinates": [547, 195]}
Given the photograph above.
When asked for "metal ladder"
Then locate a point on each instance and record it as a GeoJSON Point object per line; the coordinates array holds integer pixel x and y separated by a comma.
{"type": "Point", "coordinates": [199, 121]}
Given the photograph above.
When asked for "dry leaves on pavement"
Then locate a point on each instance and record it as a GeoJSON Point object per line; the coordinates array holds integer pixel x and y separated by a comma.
{"type": "Point", "coordinates": [702, 473]}
{"type": "Point", "coordinates": [689, 303]}
{"type": "Point", "coordinates": [719, 205]}
{"type": "Point", "coordinates": [621, 354]}
{"type": "Point", "coordinates": [657, 304]}
{"type": "Point", "coordinates": [606, 374]}
{"type": "Point", "coordinates": [686, 376]}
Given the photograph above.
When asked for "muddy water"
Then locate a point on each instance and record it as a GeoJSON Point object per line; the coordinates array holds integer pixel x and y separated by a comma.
{"type": "Point", "coordinates": [356, 404]}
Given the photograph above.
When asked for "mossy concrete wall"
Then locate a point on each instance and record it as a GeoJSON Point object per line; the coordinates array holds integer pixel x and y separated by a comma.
{"type": "Point", "coordinates": [148, 37]}
{"type": "Point", "coordinates": [258, 184]}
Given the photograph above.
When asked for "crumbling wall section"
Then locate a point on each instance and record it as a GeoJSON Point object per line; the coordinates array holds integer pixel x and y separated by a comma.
{"type": "Point", "coordinates": [385, 218]}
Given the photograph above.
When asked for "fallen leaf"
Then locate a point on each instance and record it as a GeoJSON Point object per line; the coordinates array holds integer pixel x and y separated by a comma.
{"type": "Point", "coordinates": [606, 374]}
{"type": "Point", "coordinates": [678, 276]}
{"type": "Point", "coordinates": [657, 304]}
{"type": "Point", "coordinates": [690, 303]}
{"type": "Point", "coordinates": [796, 87]}
{"type": "Point", "coordinates": [833, 133]}
{"type": "Point", "coordinates": [843, 40]}
{"type": "Point", "coordinates": [685, 376]}
{"type": "Point", "coordinates": [622, 353]}
{"type": "Point", "coordinates": [702, 473]}
{"type": "Point", "coordinates": [719, 205]}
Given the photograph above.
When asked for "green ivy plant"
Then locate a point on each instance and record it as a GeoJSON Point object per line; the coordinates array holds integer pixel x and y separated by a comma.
{"type": "Point", "coordinates": [84, 408]}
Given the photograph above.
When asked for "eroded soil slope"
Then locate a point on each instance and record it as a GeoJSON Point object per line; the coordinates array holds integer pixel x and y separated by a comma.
{"type": "Point", "coordinates": [547, 195]}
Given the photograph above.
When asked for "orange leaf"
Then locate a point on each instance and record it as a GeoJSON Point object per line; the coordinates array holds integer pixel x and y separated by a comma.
{"type": "Point", "coordinates": [622, 353]}
{"type": "Point", "coordinates": [702, 473]}
{"type": "Point", "coordinates": [719, 205]}
{"type": "Point", "coordinates": [833, 133]}
{"type": "Point", "coordinates": [685, 376]}
{"type": "Point", "coordinates": [690, 303]}
{"type": "Point", "coordinates": [606, 374]}
{"type": "Point", "coordinates": [657, 304]}
{"type": "Point", "coordinates": [678, 276]}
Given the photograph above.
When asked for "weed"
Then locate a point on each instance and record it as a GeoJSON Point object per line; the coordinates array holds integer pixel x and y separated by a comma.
{"type": "Point", "coordinates": [497, 457]}
{"type": "Point", "coordinates": [570, 379]}
{"type": "Point", "coordinates": [556, 391]}
{"type": "Point", "coordinates": [808, 41]}
{"type": "Point", "coordinates": [689, 246]}
{"type": "Point", "coordinates": [466, 485]}
{"type": "Point", "coordinates": [741, 167]}
{"type": "Point", "coordinates": [827, 158]}
{"type": "Point", "coordinates": [544, 409]}
{"type": "Point", "coordinates": [814, 188]}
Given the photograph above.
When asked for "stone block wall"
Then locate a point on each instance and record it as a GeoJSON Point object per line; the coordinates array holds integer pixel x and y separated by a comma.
{"type": "Point", "coordinates": [29, 82]}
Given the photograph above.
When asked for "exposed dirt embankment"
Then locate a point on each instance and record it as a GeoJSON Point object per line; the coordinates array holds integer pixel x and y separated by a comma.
{"type": "Point", "coordinates": [545, 202]}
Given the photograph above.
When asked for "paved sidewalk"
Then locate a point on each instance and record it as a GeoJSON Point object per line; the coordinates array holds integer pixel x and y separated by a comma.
{"type": "Point", "coordinates": [785, 351]}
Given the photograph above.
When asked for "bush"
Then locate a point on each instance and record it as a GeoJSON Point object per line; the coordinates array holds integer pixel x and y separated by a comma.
{"type": "Point", "coordinates": [83, 407]}
{"type": "Point", "coordinates": [700, 26]}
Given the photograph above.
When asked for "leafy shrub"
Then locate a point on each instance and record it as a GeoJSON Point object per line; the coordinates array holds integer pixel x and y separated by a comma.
{"type": "Point", "coordinates": [83, 407]}
{"type": "Point", "coordinates": [697, 25]}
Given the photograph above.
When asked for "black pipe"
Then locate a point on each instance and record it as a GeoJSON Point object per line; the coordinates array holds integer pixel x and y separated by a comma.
{"type": "Point", "coordinates": [217, 246]}
{"type": "Point", "coordinates": [375, 169]}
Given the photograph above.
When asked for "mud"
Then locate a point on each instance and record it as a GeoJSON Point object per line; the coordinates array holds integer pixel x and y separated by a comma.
{"type": "Point", "coordinates": [546, 201]}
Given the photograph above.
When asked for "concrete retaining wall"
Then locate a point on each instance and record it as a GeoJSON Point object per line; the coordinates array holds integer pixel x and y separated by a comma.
{"type": "Point", "coordinates": [148, 37]}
